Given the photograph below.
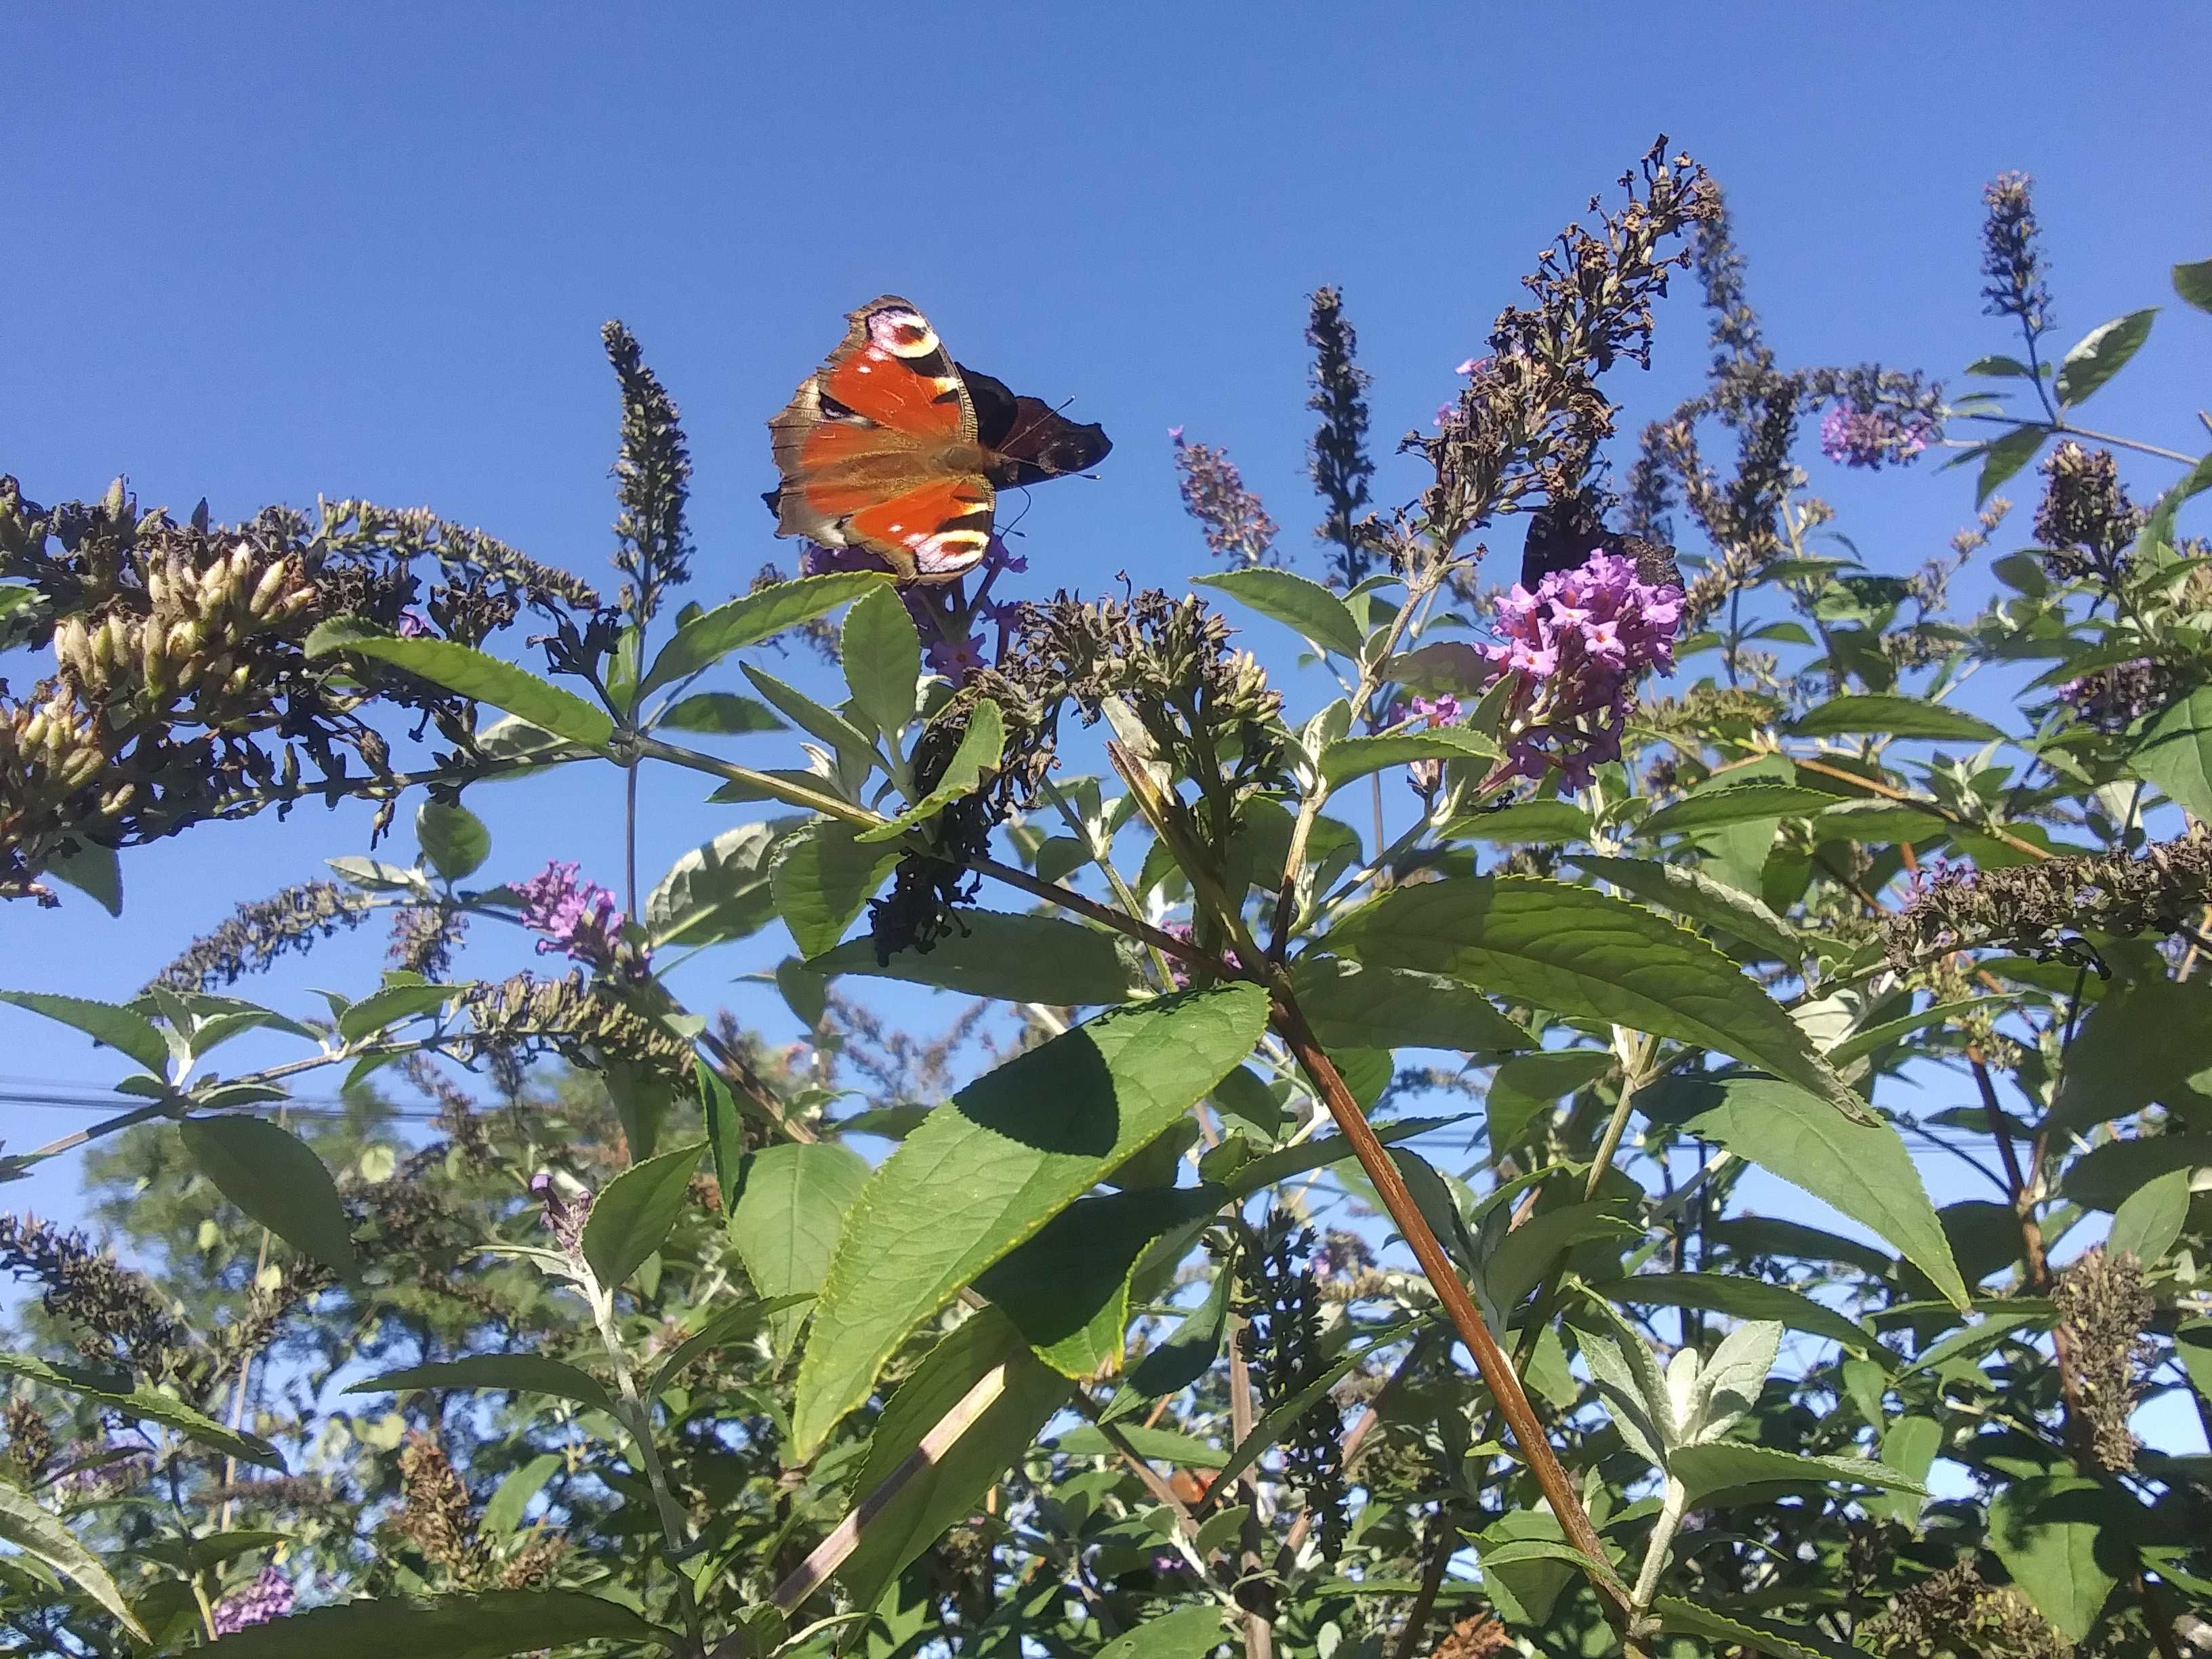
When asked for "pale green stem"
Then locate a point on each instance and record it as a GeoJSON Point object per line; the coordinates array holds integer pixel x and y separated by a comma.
{"type": "Point", "coordinates": [1663, 1543]}
{"type": "Point", "coordinates": [637, 1417]}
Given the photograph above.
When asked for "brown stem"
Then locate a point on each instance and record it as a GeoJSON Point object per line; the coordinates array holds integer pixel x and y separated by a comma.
{"type": "Point", "coordinates": [1253, 1594]}
{"type": "Point", "coordinates": [2156, 1615]}
{"type": "Point", "coordinates": [1490, 1362]}
{"type": "Point", "coordinates": [1442, 1542]}
{"type": "Point", "coordinates": [1105, 916]}
{"type": "Point", "coordinates": [1921, 803]}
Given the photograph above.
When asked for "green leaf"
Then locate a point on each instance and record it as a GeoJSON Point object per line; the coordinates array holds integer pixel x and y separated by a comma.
{"type": "Point", "coordinates": [133, 1034]}
{"type": "Point", "coordinates": [1767, 1234]}
{"type": "Point", "coordinates": [1015, 957]}
{"type": "Point", "coordinates": [2155, 540]}
{"type": "Point", "coordinates": [1864, 1171]}
{"type": "Point", "coordinates": [820, 876]}
{"type": "Point", "coordinates": [725, 1146]}
{"type": "Point", "coordinates": [1540, 822]}
{"type": "Point", "coordinates": [1186, 1354]}
{"type": "Point", "coordinates": [731, 1325]}
{"type": "Point", "coordinates": [95, 870]}
{"type": "Point", "coordinates": [1355, 758]}
{"type": "Point", "coordinates": [882, 654]}
{"type": "Point", "coordinates": [853, 746]}
{"type": "Point", "coordinates": [1587, 955]}
{"type": "Point", "coordinates": [720, 892]}
{"type": "Point", "coordinates": [269, 1173]}
{"type": "Point", "coordinates": [454, 839]}
{"type": "Point", "coordinates": [1884, 713]}
{"type": "Point", "coordinates": [1154, 1445]}
{"type": "Point", "coordinates": [1749, 1633]}
{"type": "Point", "coordinates": [1187, 1633]}
{"type": "Point", "coordinates": [2100, 354]}
{"type": "Point", "coordinates": [1067, 1288]}
{"type": "Point", "coordinates": [1317, 1154]}
{"type": "Point", "coordinates": [1722, 1465]}
{"type": "Point", "coordinates": [1306, 607]}
{"type": "Point", "coordinates": [1526, 1087]}
{"type": "Point", "coordinates": [1745, 1298]}
{"type": "Point", "coordinates": [634, 1213]}
{"type": "Point", "coordinates": [1351, 1006]}
{"type": "Point", "coordinates": [1909, 1445]}
{"type": "Point", "coordinates": [2003, 456]}
{"type": "Point", "coordinates": [1277, 1420]}
{"type": "Point", "coordinates": [982, 1175]}
{"type": "Point", "coordinates": [1873, 1038]}
{"type": "Point", "coordinates": [518, 1373]}
{"type": "Point", "coordinates": [2193, 283]}
{"type": "Point", "coordinates": [2106, 1177]}
{"type": "Point", "coordinates": [1633, 1390]}
{"type": "Point", "coordinates": [712, 634]}
{"type": "Point", "coordinates": [2047, 1533]}
{"type": "Point", "coordinates": [2148, 1221]}
{"type": "Point", "coordinates": [1525, 1254]}
{"type": "Point", "coordinates": [981, 746]}
{"type": "Point", "coordinates": [2008, 367]}
{"type": "Point", "coordinates": [503, 1514]}
{"type": "Point", "coordinates": [785, 1221]}
{"type": "Point", "coordinates": [1692, 893]}
{"type": "Point", "coordinates": [722, 713]}
{"type": "Point", "coordinates": [947, 1488]}
{"type": "Point", "coordinates": [2176, 752]}
{"type": "Point", "coordinates": [1753, 802]}
{"type": "Point", "coordinates": [137, 1400]}
{"type": "Point", "coordinates": [39, 1534]}
{"type": "Point", "coordinates": [391, 1004]}
{"type": "Point", "coordinates": [471, 674]}
{"type": "Point", "coordinates": [496, 1625]}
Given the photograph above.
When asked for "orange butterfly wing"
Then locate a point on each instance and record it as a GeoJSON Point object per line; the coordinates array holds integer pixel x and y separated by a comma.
{"type": "Point", "coordinates": [877, 450]}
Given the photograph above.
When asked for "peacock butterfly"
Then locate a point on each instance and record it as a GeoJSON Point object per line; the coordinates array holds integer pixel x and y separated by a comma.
{"type": "Point", "coordinates": [892, 448]}
{"type": "Point", "coordinates": [1561, 538]}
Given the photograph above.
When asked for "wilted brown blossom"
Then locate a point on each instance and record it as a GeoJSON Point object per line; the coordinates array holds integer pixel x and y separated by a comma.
{"type": "Point", "coordinates": [117, 1313]}
{"type": "Point", "coordinates": [1478, 1636]}
{"type": "Point", "coordinates": [2104, 1308]}
{"type": "Point", "coordinates": [2030, 907]}
{"type": "Point", "coordinates": [1286, 1333]}
{"type": "Point", "coordinates": [434, 1513]}
{"type": "Point", "coordinates": [2114, 698]}
{"type": "Point", "coordinates": [1531, 418]}
{"type": "Point", "coordinates": [424, 938]}
{"type": "Point", "coordinates": [652, 480]}
{"type": "Point", "coordinates": [567, 1017]}
{"type": "Point", "coordinates": [260, 931]}
{"type": "Point", "coordinates": [30, 1439]}
{"type": "Point", "coordinates": [1953, 1613]}
{"type": "Point", "coordinates": [1971, 540]}
{"type": "Point", "coordinates": [2086, 521]}
{"type": "Point", "coordinates": [1237, 527]}
{"type": "Point", "coordinates": [1726, 709]}
{"type": "Point", "coordinates": [533, 1564]}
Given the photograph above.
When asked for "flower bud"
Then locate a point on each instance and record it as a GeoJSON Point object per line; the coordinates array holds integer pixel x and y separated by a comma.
{"type": "Point", "coordinates": [270, 589]}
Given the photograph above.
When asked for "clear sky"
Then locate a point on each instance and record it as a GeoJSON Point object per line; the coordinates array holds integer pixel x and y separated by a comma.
{"type": "Point", "coordinates": [258, 251]}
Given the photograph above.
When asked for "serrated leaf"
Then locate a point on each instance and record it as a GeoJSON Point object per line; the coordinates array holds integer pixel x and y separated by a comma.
{"type": "Point", "coordinates": [1154, 1445]}
{"type": "Point", "coordinates": [981, 746]}
{"type": "Point", "coordinates": [2175, 752]}
{"type": "Point", "coordinates": [724, 712]}
{"type": "Point", "coordinates": [270, 1174]}
{"type": "Point", "coordinates": [1585, 954]}
{"type": "Point", "coordinates": [1184, 1355]}
{"type": "Point", "coordinates": [391, 1004]}
{"type": "Point", "coordinates": [1733, 1379]}
{"type": "Point", "coordinates": [1692, 893]}
{"type": "Point", "coordinates": [882, 656]}
{"type": "Point", "coordinates": [1864, 1171]}
{"type": "Point", "coordinates": [1348, 758]}
{"type": "Point", "coordinates": [1909, 1445]}
{"type": "Point", "coordinates": [853, 746]}
{"type": "Point", "coordinates": [752, 618]}
{"type": "Point", "coordinates": [518, 1373]}
{"type": "Point", "coordinates": [454, 839]}
{"type": "Point", "coordinates": [720, 892]}
{"type": "Point", "coordinates": [1751, 802]}
{"type": "Point", "coordinates": [819, 879]}
{"type": "Point", "coordinates": [1305, 607]}
{"type": "Point", "coordinates": [2193, 283]}
{"type": "Point", "coordinates": [1351, 1005]}
{"type": "Point", "coordinates": [1012, 955]}
{"type": "Point", "coordinates": [1749, 1633]}
{"type": "Point", "coordinates": [785, 1223]}
{"type": "Point", "coordinates": [1721, 1465]}
{"type": "Point", "coordinates": [1641, 1416]}
{"type": "Point", "coordinates": [496, 1625]}
{"type": "Point", "coordinates": [1535, 821]}
{"type": "Point", "coordinates": [2101, 353]}
{"type": "Point", "coordinates": [95, 870]}
{"type": "Point", "coordinates": [33, 1530]}
{"type": "Point", "coordinates": [980, 1177]}
{"type": "Point", "coordinates": [2049, 1534]}
{"type": "Point", "coordinates": [471, 674]}
{"type": "Point", "coordinates": [2003, 456]}
{"type": "Point", "coordinates": [130, 1034]}
{"type": "Point", "coordinates": [633, 1214]}
{"type": "Point", "coordinates": [135, 1399]}
{"type": "Point", "coordinates": [2150, 1219]}
{"type": "Point", "coordinates": [1745, 1298]}
{"type": "Point", "coordinates": [1186, 1633]}
{"type": "Point", "coordinates": [1884, 713]}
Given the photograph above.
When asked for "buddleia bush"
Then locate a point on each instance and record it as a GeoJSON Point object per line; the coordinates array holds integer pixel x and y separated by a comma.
{"type": "Point", "coordinates": [1364, 1203]}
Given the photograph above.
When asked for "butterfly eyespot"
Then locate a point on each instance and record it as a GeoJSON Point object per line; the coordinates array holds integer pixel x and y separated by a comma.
{"type": "Point", "coordinates": [900, 334]}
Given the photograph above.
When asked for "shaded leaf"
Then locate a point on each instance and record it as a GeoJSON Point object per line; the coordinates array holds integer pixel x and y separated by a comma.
{"type": "Point", "coordinates": [1186, 1354]}
{"type": "Point", "coordinates": [454, 839]}
{"type": "Point", "coordinates": [2003, 456]}
{"type": "Point", "coordinates": [731, 1325]}
{"type": "Point", "coordinates": [1692, 893]}
{"type": "Point", "coordinates": [131, 1034]}
{"type": "Point", "coordinates": [1017, 957]}
{"type": "Point", "coordinates": [1186, 1633]}
{"type": "Point", "coordinates": [981, 746]}
{"type": "Point", "coordinates": [1750, 1633]}
{"type": "Point", "coordinates": [723, 713]}
{"type": "Point", "coordinates": [2150, 1218]}
{"type": "Point", "coordinates": [2047, 1533]}
{"type": "Point", "coordinates": [1348, 758]}
{"type": "Point", "coordinates": [1746, 1298]}
{"type": "Point", "coordinates": [2101, 353]}
{"type": "Point", "coordinates": [33, 1530]}
{"type": "Point", "coordinates": [135, 1399]}
{"type": "Point", "coordinates": [1351, 1006]}
{"type": "Point", "coordinates": [719, 892]}
{"type": "Point", "coordinates": [2176, 752]}
{"type": "Point", "coordinates": [270, 1174]}
{"type": "Point", "coordinates": [518, 1373]}
{"type": "Point", "coordinates": [882, 657]}
{"type": "Point", "coordinates": [496, 1625]}
{"type": "Point", "coordinates": [1303, 606]}
{"type": "Point", "coordinates": [2193, 283]}
{"type": "Point", "coordinates": [1722, 1465]}
{"type": "Point", "coordinates": [95, 870]}
{"type": "Point", "coordinates": [1751, 802]}
{"type": "Point", "coordinates": [472, 674]}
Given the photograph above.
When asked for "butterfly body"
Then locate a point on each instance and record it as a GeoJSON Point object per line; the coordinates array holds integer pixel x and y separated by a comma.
{"type": "Point", "coordinates": [893, 449]}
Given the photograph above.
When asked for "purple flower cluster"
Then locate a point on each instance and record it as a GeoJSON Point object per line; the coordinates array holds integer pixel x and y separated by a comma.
{"type": "Point", "coordinates": [1442, 709]}
{"type": "Point", "coordinates": [268, 1596]}
{"type": "Point", "coordinates": [566, 1212]}
{"type": "Point", "coordinates": [1237, 527]}
{"type": "Point", "coordinates": [1579, 642]}
{"type": "Point", "coordinates": [1870, 438]}
{"type": "Point", "coordinates": [1177, 971]}
{"type": "Point", "coordinates": [579, 918]}
{"type": "Point", "coordinates": [2115, 698]}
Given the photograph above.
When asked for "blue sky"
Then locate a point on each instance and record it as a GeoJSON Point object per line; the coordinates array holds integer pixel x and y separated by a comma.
{"type": "Point", "coordinates": [261, 252]}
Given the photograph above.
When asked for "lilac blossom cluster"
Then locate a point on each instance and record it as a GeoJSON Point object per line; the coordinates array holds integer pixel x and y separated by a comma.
{"type": "Point", "coordinates": [1870, 438]}
{"type": "Point", "coordinates": [952, 626]}
{"type": "Point", "coordinates": [2114, 698]}
{"type": "Point", "coordinates": [578, 918]}
{"type": "Point", "coordinates": [268, 1596]}
{"type": "Point", "coordinates": [1579, 642]}
{"type": "Point", "coordinates": [1237, 527]}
